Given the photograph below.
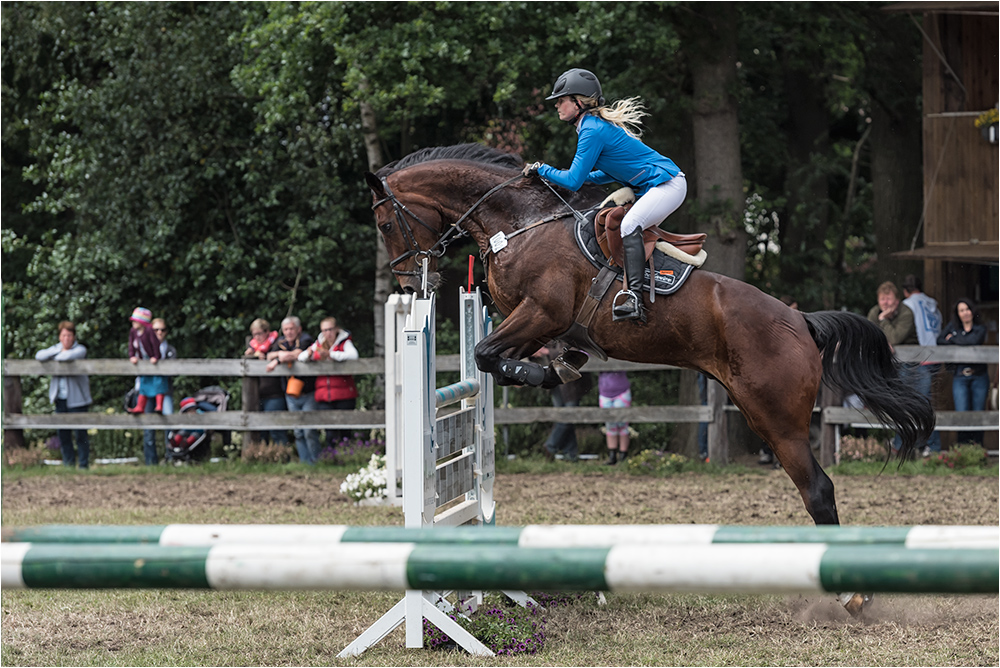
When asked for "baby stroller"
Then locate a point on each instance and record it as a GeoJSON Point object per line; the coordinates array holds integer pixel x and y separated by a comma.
{"type": "Point", "coordinates": [185, 445]}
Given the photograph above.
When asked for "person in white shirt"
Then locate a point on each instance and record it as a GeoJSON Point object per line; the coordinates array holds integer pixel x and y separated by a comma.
{"type": "Point", "coordinates": [927, 320]}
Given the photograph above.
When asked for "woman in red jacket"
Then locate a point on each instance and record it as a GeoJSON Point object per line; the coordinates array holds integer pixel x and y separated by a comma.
{"type": "Point", "coordinates": [333, 392]}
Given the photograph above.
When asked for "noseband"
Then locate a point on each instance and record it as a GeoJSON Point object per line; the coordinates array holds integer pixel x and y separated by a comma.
{"type": "Point", "coordinates": [455, 230]}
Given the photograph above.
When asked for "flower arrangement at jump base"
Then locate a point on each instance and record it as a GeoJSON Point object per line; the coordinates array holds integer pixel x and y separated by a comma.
{"type": "Point", "coordinates": [505, 629]}
{"type": "Point", "coordinates": [367, 486]}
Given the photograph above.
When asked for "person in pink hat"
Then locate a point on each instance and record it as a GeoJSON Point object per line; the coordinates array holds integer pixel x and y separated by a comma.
{"type": "Point", "coordinates": [143, 344]}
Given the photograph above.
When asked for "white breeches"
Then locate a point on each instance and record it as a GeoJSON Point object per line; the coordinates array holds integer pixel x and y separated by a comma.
{"type": "Point", "coordinates": [654, 207]}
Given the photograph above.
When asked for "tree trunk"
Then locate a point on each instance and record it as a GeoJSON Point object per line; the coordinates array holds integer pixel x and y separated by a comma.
{"type": "Point", "coordinates": [718, 184]}
{"type": "Point", "coordinates": [383, 276]}
{"type": "Point", "coordinates": [719, 200]}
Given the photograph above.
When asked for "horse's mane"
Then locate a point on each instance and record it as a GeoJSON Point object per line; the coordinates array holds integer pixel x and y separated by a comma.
{"type": "Point", "coordinates": [472, 152]}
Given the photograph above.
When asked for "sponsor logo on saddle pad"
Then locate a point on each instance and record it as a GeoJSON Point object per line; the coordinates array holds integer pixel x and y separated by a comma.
{"type": "Point", "coordinates": [669, 275]}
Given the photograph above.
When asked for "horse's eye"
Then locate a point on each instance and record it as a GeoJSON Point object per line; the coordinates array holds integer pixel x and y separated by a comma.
{"type": "Point", "coordinates": [386, 228]}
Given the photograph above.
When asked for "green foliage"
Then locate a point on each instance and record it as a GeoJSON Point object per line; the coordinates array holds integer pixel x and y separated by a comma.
{"type": "Point", "coordinates": [204, 159]}
{"type": "Point", "coordinates": [654, 462]}
{"type": "Point", "coordinates": [967, 456]}
{"type": "Point", "coordinates": [504, 628]}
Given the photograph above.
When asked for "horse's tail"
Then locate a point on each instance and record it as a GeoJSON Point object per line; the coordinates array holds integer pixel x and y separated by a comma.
{"type": "Point", "coordinates": [857, 358]}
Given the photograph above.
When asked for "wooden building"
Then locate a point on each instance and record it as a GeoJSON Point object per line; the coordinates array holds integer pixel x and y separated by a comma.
{"type": "Point", "coordinates": [961, 162]}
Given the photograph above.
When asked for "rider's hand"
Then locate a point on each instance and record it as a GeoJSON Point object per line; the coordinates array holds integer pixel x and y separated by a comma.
{"type": "Point", "coordinates": [532, 169]}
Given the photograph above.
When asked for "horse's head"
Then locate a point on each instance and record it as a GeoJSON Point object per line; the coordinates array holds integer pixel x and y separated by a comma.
{"type": "Point", "coordinates": [411, 227]}
{"type": "Point", "coordinates": [417, 208]}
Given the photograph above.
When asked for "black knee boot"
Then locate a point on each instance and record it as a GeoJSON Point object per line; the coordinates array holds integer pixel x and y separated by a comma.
{"type": "Point", "coordinates": [635, 265]}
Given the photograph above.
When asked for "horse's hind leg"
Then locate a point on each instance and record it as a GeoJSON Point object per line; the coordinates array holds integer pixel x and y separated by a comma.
{"type": "Point", "coordinates": [787, 432]}
{"type": "Point", "coordinates": [783, 421]}
{"type": "Point", "coordinates": [810, 479]}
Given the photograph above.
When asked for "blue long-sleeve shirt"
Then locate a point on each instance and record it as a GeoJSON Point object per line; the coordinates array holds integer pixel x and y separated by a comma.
{"type": "Point", "coordinates": [605, 153]}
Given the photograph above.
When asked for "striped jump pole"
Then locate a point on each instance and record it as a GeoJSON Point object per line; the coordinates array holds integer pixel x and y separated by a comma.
{"type": "Point", "coordinates": [742, 568]}
{"type": "Point", "coordinates": [450, 394]}
{"type": "Point", "coordinates": [532, 536]}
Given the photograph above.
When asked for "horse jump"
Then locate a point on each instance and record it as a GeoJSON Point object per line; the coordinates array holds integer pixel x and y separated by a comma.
{"type": "Point", "coordinates": [446, 461]}
{"type": "Point", "coordinates": [441, 469]}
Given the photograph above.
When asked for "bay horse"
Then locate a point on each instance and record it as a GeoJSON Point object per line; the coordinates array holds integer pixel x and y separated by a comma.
{"type": "Point", "coordinates": [770, 358]}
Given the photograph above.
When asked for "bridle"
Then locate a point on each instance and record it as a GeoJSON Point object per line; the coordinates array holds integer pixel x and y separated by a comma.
{"type": "Point", "coordinates": [454, 232]}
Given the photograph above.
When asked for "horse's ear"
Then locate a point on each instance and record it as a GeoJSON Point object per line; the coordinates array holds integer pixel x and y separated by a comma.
{"type": "Point", "coordinates": [375, 184]}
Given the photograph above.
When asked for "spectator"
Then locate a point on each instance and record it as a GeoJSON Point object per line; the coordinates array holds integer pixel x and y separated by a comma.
{"type": "Point", "coordinates": [895, 319]}
{"type": "Point", "coordinates": [70, 394]}
{"type": "Point", "coordinates": [614, 391]}
{"type": "Point", "coordinates": [143, 344]}
{"type": "Point", "coordinates": [302, 398]}
{"type": "Point", "coordinates": [927, 321]}
{"type": "Point", "coordinates": [270, 389]}
{"type": "Point", "coordinates": [971, 382]}
{"type": "Point", "coordinates": [337, 393]}
{"type": "Point", "coordinates": [562, 438]}
{"type": "Point", "coordinates": [167, 351]}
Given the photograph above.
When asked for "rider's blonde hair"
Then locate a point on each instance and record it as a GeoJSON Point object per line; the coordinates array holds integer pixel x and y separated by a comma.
{"type": "Point", "coordinates": [626, 114]}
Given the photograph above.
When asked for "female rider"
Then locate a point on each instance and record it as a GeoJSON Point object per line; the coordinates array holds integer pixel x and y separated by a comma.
{"type": "Point", "coordinates": [609, 150]}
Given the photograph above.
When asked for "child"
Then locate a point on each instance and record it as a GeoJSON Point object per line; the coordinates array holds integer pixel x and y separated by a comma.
{"type": "Point", "coordinates": [143, 344]}
{"type": "Point", "coordinates": [614, 391]}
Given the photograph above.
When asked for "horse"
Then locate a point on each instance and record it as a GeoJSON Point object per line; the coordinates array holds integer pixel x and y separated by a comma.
{"type": "Point", "coordinates": [770, 358]}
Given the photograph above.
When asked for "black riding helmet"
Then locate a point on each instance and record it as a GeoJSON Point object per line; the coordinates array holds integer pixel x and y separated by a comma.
{"type": "Point", "coordinates": [577, 82]}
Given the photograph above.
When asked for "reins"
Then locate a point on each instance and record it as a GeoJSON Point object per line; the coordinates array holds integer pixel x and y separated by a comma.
{"type": "Point", "coordinates": [455, 231]}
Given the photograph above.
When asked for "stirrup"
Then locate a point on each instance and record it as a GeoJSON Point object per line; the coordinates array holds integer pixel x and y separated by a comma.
{"type": "Point", "coordinates": [623, 312]}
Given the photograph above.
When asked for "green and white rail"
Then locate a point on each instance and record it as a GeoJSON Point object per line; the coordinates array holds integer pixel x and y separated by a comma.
{"type": "Point", "coordinates": [732, 568]}
{"type": "Point", "coordinates": [534, 536]}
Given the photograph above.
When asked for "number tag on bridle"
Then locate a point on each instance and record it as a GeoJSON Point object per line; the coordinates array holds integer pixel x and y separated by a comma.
{"type": "Point", "coordinates": [498, 242]}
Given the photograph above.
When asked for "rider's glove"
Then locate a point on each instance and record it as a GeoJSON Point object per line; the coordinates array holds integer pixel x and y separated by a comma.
{"type": "Point", "coordinates": [532, 169]}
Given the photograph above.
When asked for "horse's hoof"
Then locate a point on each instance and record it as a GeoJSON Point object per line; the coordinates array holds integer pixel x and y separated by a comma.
{"type": "Point", "coordinates": [855, 603]}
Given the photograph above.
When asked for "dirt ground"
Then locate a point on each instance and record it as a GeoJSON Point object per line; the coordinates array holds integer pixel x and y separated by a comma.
{"type": "Point", "coordinates": [597, 497]}
{"type": "Point", "coordinates": [307, 628]}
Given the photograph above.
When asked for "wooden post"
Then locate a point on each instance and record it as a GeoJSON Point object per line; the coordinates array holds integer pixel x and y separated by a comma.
{"type": "Point", "coordinates": [12, 403]}
{"type": "Point", "coordinates": [251, 401]}
{"type": "Point", "coordinates": [828, 396]}
{"type": "Point", "coordinates": [718, 439]}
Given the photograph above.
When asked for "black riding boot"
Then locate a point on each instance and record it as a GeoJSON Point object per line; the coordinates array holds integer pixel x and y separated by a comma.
{"type": "Point", "coordinates": [612, 458]}
{"type": "Point", "coordinates": [635, 265]}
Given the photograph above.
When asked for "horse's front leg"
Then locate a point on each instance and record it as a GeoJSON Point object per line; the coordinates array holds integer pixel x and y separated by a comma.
{"type": "Point", "coordinates": [520, 335]}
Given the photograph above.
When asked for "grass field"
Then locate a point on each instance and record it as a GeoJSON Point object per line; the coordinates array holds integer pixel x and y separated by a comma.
{"type": "Point", "coordinates": [182, 627]}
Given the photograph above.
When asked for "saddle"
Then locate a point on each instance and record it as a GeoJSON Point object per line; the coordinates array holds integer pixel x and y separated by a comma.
{"type": "Point", "coordinates": [678, 246]}
{"type": "Point", "coordinates": [679, 255]}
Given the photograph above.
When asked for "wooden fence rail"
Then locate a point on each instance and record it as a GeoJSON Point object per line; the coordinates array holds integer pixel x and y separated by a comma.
{"type": "Point", "coordinates": [248, 419]}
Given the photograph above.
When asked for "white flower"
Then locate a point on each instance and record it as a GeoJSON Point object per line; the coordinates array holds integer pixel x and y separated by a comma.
{"type": "Point", "coordinates": [369, 482]}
